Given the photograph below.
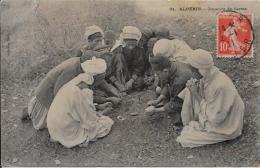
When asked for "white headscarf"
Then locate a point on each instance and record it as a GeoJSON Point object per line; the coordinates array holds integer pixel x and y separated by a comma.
{"type": "Point", "coordinates": [201, 59]}
{"type": "Point", "coordinates": [92, 30]}
{"type": "Point", "coordinates": [163, 47]}
{"type": "Point", "coordinates": [175, 50]}
{"type": "Point", "coordinates": [131, 32]}
{"type": "Point", "coordinates": [128, 32]}
{"type": "Point", "coordinates": [94, 66]}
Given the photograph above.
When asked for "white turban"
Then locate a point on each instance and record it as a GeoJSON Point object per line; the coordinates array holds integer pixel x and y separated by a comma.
{"type": "Point", "coordinates": [201, 59]}
{"type": "Point", "coordinates": [163, 47]}
{"type": "Point", "coordinates": [131, 32]}
{"type": "Point", "coordinates": [175, 50]}
{"type": "Point", "coordinates": [92, 30]}
{"type": "Point", "coordinates": [94, 66]}
{"type": "Point", "coordinates": [128, 32]}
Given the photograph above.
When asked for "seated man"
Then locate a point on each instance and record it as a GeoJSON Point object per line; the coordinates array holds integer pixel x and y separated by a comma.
{"type": "Point", "coordinates": [173, 77]}
{"type": "Point", "coordinates": [44, 94]}
{"type": "Point", "coordinates": [131, 59]}
{"type": "Point", "coordinates": [93, 38]}
{"type": "Point", "coordinates": [72, 118]}
{"type": "Point", "coordinates": [151, 78]}
{"type": "Point", "coordinates": [93, 47]}
{"type": "Point", "coordinates": [213, 110]}
{"type": "Point", "coordinates": [175, 50]}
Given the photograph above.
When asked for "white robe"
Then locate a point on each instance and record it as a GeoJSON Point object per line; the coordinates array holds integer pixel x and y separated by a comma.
{"type": "Point", "coordinates": [72, 118]}
{"type": "Point", "coordinates": [218, 117]}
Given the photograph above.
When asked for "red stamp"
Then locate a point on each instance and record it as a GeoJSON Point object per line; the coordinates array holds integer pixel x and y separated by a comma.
{"type": "Point", "coordinates": [235, 35]}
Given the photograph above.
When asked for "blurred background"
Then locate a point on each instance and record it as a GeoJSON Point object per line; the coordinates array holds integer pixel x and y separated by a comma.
{"type": "Point", "coordinates": [38, 34]}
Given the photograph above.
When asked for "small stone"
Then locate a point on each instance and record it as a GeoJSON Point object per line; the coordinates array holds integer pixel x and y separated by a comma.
{"type": "Point", "coordinates": [14, 160]}
{"type": "Point", "coordinates": [190, 157]}
{"type": "Point", "coordinates": [15, 125]}
{"type": "Point", "coordinates": [134, 114]}
{"type": "Point", "coordinates": [193, 35]}
{"type": "Point", "coordinates": [57, 162]}
{"type": "Point", "coordinates": [121, 118]}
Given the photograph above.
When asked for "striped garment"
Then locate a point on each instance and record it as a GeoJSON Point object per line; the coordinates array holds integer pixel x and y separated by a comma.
{"type": "Point", "coordinates": [37, 113]}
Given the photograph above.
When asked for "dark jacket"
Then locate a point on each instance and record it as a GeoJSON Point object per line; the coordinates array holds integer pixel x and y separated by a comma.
{"type": "Point", "coordinates": [56, 78]}
{"type": "Point", "coordinates": [135, 61]}
{"type": "Point", "coordinates": [179, 74]}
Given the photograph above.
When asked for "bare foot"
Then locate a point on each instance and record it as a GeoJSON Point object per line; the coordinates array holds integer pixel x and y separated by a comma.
{"type": "Point", "coordinates": [106, 111]}
{"type": "Point", "coordinates": [104, 106]}
{"type": "Point", "coordinates": [84, 144]}
{"type": "Point", "coordinates": [115, 100]}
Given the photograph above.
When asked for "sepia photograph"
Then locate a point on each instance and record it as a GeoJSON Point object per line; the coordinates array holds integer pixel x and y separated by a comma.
{"type": "Point", "coordinates": [130, 83]}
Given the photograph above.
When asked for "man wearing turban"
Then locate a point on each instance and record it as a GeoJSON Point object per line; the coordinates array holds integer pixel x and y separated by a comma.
{"type": "Point", "coordinates": [44, 94]}
{"type": "Point", "coordinates": [173, 77]}
{"type": "Point", "coordinates": [98, 44]}
{"type": "Point", "coordinates": [72, 118]}
{"type": "Point", "coordinates": [212, 110]}
{"type": "Point", "coordinates": [175, 50]}
{"type": "Point", "coordinates": [130, 57]}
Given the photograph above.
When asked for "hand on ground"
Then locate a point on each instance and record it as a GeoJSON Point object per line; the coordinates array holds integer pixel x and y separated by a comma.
{"type": "Point", "coordinates": [152, 103]}
{"type": "Point", "coordinates": [104, 106]}
{"type": "Point", "coordinates": [115, 100]}
{"type": "Point", "coordinates": [150, 110]}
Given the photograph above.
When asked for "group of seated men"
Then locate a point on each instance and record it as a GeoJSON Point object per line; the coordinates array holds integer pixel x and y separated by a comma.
{"type": "Point", "coordinates": [185, 81]}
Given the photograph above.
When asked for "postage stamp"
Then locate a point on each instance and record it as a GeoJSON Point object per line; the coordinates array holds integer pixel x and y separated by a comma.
{"type": "Point", "coordinates": [235, 35]}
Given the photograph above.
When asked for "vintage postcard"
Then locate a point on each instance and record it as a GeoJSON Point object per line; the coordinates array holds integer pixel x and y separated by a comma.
{"type": "Point", "coordinates": [130, 83]}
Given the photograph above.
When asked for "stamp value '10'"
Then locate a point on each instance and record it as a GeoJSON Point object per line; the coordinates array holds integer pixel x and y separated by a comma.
{"type": "Point", "coordinates": [235, 35]}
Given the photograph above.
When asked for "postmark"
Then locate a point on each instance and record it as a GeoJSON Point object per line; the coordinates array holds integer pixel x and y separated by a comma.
{"type": "Point", "coordinates": [235, 35]}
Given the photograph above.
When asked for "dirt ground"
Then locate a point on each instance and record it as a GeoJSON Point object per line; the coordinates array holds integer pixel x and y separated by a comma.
{"type": "Point", "coordinates": [138, 140]}
{"type": "Point", "coordinates": [135, 141]}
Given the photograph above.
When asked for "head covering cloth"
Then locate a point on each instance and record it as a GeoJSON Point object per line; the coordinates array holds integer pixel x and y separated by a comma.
{"type": "Point", "coordinates": [92, 30]}
{"type": "Point", "coordinates": [201, 59]}
{"type": "Point", "coordinates": [94, 66]}
{"type": "Point", "coordinates": [163, 47]}
{"type": "Point", "coordinates": [128, 32]}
